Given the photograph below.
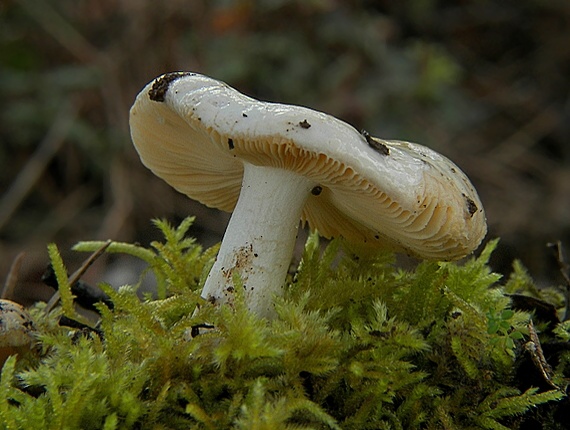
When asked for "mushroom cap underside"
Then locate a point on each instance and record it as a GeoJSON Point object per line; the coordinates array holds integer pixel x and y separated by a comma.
{"type": "Point", "coordinates": [195, 133]}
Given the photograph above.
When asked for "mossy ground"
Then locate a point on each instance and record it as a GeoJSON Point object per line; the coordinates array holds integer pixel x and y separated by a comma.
{"type": "Point", "coordinates": [358, 344]}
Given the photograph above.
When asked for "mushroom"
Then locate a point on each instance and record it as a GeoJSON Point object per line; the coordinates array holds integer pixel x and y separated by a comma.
{"type": "Point", "coordinates": [275, 164]}
{"type": "Point", "coordinates": [17, 332]}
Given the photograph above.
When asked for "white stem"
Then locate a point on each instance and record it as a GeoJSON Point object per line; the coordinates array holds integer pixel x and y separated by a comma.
{"type": "Point", "coordinates": [259, 240]}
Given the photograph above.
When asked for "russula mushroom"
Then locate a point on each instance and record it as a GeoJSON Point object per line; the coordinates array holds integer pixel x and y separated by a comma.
{"type": "Point", "coordinates": [16, 330]}
{"type": "Point", "coordinates": [274, 165]}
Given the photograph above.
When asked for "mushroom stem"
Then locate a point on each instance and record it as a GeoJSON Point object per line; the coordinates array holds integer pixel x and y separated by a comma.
{"type": "Point", "coordinates": [259, 240]}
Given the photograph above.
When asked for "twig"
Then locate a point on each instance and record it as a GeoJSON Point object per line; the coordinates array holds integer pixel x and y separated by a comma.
{"type": "Point", "coordinates": [523, 139]}
{"type": "Point", "coordinates": [564, 271]}
{"type": "Point", "coordinates": [534, 348]}
{"type": "Point", "coordinates": [121, 195]}
{"type": "Point", "coordinates": [70, 37]}
{"type": "Point", "coordinates": [36, 165]}
{"type": "Point", "coordinates": [12, 278]}
{"type": "Point", "coordinates": [78, 274]}
{"type": "Point", "coordinates": [60, 29]}
{"type": "Point", "coordinates": [65, 211]}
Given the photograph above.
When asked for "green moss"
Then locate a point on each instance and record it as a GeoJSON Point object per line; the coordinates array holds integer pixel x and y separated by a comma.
{"type": "Point", "coordinates": [358, 344]}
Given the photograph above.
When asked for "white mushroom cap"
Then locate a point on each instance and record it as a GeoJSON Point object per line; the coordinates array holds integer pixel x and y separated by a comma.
{"type": "Point", "coordinates": [196, 132]}
{"type": "Point", "coordinates": [273, 164]}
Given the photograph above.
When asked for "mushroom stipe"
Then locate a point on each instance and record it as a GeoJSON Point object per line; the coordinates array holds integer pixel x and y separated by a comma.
{"type": "Point", "coordinates": [273, 164]}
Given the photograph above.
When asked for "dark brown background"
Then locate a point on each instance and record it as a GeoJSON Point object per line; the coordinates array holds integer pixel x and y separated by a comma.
{"type": "Point", "coordinates": [484, 82]}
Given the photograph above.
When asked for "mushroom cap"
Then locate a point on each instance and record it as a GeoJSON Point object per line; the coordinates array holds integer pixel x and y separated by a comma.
{"type": "Point", "coordinates": [16, 326]}
{"type": "Point", "coordinates": [195, 133]}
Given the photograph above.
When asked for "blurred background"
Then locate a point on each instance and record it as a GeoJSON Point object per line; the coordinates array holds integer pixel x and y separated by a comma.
{"type": "Point", "coordinates": [484, 82]}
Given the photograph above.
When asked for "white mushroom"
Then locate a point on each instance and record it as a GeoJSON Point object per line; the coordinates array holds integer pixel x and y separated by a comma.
{"type": "Point", "coordinates": [274, 164]}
